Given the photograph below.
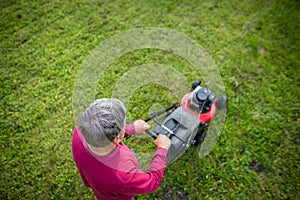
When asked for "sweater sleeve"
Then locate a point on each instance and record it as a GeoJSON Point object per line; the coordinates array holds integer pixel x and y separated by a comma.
{"type": "Point", "coordinates": [146, 182]}
{"type": "Point", "coordinates": [129, 130]}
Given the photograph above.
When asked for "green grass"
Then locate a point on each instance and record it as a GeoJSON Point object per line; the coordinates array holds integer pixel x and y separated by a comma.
{"type": "Point", "coordinates": [255, 45]}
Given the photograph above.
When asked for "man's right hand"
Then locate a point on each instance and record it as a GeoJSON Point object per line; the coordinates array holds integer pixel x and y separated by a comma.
{"type": "Point", "coordinates": [162, 141]}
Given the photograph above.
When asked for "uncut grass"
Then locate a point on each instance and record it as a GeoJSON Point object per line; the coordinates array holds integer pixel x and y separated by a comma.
{"type": "Point", "coordinates": [255, 45]}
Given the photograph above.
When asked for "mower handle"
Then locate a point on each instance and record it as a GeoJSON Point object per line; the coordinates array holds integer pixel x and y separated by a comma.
{"type": "Point", "coordinates": [151, 133]}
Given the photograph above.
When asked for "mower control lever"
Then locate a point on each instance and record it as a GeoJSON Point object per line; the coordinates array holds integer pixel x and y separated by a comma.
{"type": "Point", "coordinates": [155, 114]}
{"type": "Point", "coordinates": [151, 133]}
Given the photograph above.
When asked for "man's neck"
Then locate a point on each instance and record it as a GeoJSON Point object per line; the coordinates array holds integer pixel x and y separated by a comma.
{"type": "Point", "coordinates": [102, 151]}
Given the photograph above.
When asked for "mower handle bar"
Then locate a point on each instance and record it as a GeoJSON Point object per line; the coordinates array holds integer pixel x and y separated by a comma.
{"type": "Point", "coordinates": [151, 133]}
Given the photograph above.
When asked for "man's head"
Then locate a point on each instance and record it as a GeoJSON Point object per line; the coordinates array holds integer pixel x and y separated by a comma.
{"type": "Point", "coordinates": [102, 122]}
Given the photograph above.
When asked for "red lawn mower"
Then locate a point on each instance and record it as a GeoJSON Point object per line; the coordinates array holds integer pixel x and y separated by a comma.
{"type": "Point", "coordinates": [186, 123]}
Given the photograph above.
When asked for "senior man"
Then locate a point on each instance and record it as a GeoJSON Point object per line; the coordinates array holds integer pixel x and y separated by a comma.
{"type": "Point", "coordinates": [104, 162]}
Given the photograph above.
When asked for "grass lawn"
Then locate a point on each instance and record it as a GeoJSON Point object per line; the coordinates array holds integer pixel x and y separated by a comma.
{"type": "Point", "coordinates": [255, 45]}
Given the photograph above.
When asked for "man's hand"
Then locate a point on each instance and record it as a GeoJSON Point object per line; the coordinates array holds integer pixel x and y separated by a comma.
{"type": "Point", "coordinates": [140, 126]}
{"type": "Point", "coordinates": [162, 141]}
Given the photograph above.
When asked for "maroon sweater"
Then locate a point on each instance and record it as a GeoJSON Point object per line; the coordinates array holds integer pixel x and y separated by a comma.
{"type": "Point", "coordinates": [117, 175]}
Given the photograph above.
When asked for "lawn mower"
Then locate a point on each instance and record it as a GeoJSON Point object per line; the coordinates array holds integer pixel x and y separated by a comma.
{"type": "Point", "coordinates": [186, 123]}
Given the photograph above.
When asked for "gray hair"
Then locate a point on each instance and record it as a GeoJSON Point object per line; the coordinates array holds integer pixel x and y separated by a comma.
{"type": "Point", "coordinates": [102, 121]}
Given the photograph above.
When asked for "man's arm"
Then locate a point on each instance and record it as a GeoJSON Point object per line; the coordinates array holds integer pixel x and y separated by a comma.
{"type": "Point", "coordinates": [145, 182]}
{"type": "Point", "coordinates": [137, 127]}
{"type": "Point", "coordinates": [129, 130]}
